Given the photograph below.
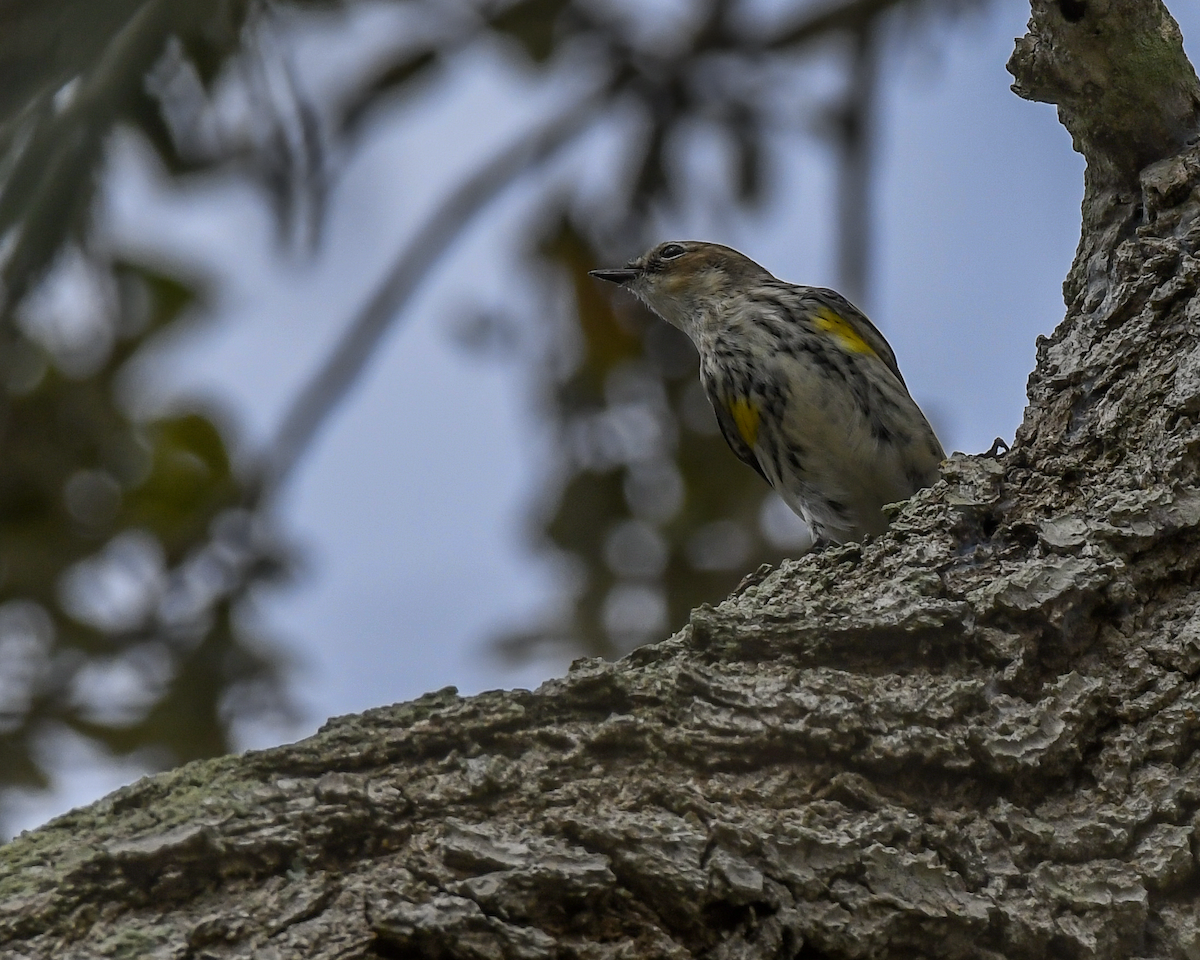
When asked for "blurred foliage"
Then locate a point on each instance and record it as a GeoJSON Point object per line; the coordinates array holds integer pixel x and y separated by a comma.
{"type": "Point", "coordinates": [124, 548]}
{"type": "Point", "coordinates": [129, 549]}
{"type": "Point", "coordinates": [69, 71]}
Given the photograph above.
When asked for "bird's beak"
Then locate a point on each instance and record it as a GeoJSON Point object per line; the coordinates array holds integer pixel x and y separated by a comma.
{"type": "Point", "coordinates": [621, 275]}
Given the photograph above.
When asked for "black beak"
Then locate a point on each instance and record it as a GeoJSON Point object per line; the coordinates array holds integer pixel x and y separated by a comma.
{"type": "Point", "coordinates": [621, 275]}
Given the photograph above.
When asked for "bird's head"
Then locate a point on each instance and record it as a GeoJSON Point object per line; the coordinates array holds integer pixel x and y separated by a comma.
{"type": "Point", "coordinates": [685, 281]}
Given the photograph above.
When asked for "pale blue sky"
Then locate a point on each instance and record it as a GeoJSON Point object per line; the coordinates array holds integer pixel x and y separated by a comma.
{"type": "Point", "coordinates": [410, 507]}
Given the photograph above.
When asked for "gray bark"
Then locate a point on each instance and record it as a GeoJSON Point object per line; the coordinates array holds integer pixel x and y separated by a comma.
{"type": "Point", "coordinates": [976, 736]}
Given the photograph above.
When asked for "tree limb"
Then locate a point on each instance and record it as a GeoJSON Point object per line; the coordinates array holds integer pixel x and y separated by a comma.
{"type": "Point", "coordinates": [1116, 68]}
{"type": "Point", "coordinates": [340, 370]}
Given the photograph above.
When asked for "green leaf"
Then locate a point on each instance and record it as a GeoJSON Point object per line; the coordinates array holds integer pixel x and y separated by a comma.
{"type": "Point", "coordinates": [190, 481]}
{"type": "Point", "coordinates": [532, 24]}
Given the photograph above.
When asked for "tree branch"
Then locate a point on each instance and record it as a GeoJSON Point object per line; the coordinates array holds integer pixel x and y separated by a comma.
{"type": "Point", "coordinates": [328, 387]}
{"type": "Point", "coordinates": [855, 141]}
{"type": "Point", "coordinates": [1116, 68]}
{"type": "Point", "coordinates": [849, 16]}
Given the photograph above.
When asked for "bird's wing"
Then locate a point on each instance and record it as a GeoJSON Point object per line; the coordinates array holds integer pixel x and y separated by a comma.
{"type": "Point", "coordinates": [852, 324]}
{"type": "Point", "coordinates": [735, 420]}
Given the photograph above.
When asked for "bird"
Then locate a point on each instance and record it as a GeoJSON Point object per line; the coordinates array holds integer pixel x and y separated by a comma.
{"type": "Point", "coordinates": [805, 389]}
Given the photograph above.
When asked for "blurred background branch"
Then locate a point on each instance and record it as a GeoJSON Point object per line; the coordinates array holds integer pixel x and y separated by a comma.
{"type": "Point", "coordinates": [353, 351]}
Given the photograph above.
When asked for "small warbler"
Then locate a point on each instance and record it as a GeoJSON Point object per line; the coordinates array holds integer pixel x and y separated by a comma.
{"type": "Point", "coordinates": [806, 390]}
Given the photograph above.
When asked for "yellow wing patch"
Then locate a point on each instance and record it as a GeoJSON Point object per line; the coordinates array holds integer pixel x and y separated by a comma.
{"type": "Point", "coordinates": [745, 416]}
{"type": "Point", "coordinates": [840, 328]}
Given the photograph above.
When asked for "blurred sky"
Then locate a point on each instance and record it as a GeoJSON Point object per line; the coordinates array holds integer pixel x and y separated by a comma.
{"type": "Point", "coordinates": [410, 508]}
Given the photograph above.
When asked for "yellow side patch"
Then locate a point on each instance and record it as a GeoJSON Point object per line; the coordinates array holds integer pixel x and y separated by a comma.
{"type": "Point", "coordinates": [840, 328]}
{"type": "Point", "coordinates": [745, 416]}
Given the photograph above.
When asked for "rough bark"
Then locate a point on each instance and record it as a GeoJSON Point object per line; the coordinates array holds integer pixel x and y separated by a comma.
{"type": "Point", "coordinates": [976, 736]}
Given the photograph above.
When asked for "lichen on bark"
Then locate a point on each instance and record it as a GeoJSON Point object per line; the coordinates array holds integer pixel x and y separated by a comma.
{"type": "Point", "coordinates": [976, 736]}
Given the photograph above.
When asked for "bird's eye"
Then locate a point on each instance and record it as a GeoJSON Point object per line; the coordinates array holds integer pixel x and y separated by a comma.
{"type": "Point", "coordinates": [671, 251]}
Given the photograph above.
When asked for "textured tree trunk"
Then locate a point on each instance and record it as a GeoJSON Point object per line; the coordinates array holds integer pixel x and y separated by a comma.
{"type": "Point", "coordinates": [976, 736]}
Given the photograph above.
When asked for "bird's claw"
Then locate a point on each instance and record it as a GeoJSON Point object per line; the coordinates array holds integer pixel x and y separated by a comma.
{"type": "Point", "coordinates": [753, 579]}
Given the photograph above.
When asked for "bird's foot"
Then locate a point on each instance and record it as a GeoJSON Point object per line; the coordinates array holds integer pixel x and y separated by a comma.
{"type": "Point", "coordinates": [753, 579]}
